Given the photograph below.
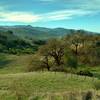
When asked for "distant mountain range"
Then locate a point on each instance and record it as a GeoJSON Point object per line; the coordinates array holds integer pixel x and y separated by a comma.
{"type": "Point", "coordinates": [28, 31]}
{"type": "Point", "coordinates": [27, 39]}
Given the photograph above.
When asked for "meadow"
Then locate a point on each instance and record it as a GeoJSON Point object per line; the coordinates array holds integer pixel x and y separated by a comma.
{"type": "Point", "coordinates": [43, 85]}
{"type": "Point", "coordinates": [17, 84]}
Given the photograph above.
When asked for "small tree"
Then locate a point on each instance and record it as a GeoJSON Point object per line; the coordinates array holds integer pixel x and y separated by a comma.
{"type": "Point", "coordinates": [56, 50]}
{"type": "Point", "coordinates": [44, 57]}
{"type": "Point", "coordinates": [72, 63]}
{"type": "Point", "coordinates": [52, 51]}
{"type": "Point", "coordinates": [71, 60]}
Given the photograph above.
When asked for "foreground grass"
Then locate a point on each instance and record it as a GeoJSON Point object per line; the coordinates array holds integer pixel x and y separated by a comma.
{"type": "Point", "coordinates": [37, 85]}
{"type": "Point", "coordinates": [19, 63]}
{"type": "Point", "coordinates": [14, 63]}
{"type": "Point", "coordinates": [15, 84]}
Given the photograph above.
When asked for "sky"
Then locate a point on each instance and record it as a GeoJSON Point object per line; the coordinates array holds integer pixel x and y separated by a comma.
{"type": "Point", "coordinates": [71, 14]}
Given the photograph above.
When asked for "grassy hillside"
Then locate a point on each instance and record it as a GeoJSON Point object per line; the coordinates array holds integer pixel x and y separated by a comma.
{"type": "Point", "coordinates": [16, 84]}
{"type": "Point", "coordinates": [43, 86]}
{"type": "Point", "coordinates": [14, 63]}
{"type": "Point", "coordinates": [10, 43]}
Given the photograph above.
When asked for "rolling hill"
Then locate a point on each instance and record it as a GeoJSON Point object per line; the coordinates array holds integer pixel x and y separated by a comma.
{"type": "Point", "coordinates": [27, 31]}
{"type": "Point", "coordinates": [22, 37]}
{"type": "Point", "coordinates": [10, 43]}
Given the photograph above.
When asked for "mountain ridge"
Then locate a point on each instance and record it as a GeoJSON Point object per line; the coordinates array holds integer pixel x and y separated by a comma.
{"type": "Point", "coordinates": [40, 32]}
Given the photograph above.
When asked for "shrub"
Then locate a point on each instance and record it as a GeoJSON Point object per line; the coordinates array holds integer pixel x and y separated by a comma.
{"type": "Point", "coordinates": [72, 62]}
{"type": "Point", "coordinates": [88, 96]}
{"type": "Point", "coordinates": [85, 73]}
{"type": "Point", "coordinates": [97, 85]}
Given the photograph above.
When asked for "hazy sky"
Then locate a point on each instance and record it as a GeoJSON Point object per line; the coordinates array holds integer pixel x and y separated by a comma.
{"type": "Point", "coordinates": [78, 14]}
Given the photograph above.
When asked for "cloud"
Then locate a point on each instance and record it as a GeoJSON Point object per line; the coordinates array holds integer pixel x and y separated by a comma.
{"type": "Point", "coordinates": [23, 17]}
{"type": "Point", "coordinates": [26, 17]}
{"type": "Point", "coordinates": [91, 5]}
{"type": "Point", "coordinates": [65, 14]}
{"type": "Point", "coordinates": [83, 4]}
{"type": "Point", "coordinates": [17, 16]}
{"type": "Point", "coordinates": [72, 9]}
{"type": "Point", "coordinates": [79, 4]}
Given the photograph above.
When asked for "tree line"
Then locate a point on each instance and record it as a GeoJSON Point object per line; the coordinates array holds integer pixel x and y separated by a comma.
{"type": "Point", "coordinates": [71, 51]}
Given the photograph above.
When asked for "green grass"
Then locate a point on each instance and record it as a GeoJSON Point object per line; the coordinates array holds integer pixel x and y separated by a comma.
{"type": "Point", "coordinates": [14, 63]}
{"type": "Point", "coordinates": [16, 84]}
{"type": "Point", "coordinates": [18, 63]}
{"type": "Point", "coordinates": [42, 83]}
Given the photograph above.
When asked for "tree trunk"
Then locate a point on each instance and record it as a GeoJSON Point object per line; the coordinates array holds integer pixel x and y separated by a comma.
{"type": "Point", "coordinates": [76, 49]}
{"type": "Point", "coordinates": [48, 67]}
{"type": "Point", "coordinates": [57, 60]}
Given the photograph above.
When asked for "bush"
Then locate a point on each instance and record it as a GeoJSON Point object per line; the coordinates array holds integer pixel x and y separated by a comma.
{"type": "Point", "coordinates": [72, 62]}
{"type": "Point", "coordinates": [97, 85]}
{"type": "Point", "coordinates": [85, 73]}
{"type": "Point", "coordinates": [88, 96]}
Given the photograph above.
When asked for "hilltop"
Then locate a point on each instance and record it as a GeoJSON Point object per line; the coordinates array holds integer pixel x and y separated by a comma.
{"type": "Point", "coordinates": [28, 31]}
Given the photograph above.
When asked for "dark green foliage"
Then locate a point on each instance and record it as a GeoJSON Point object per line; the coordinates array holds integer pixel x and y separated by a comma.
{"type": "Point", "coordinates": [98, 43]}
{"type": "Point", "coordinates": [39, 42]}
{"type": "Point", "coordinates": [72, 62]}
{"type": "Point", "coordinates": [4, 61]}
{"type": "Point", "coordinates": [97, 85]}
{"type": "Point", "coordinates": [10, 32]}
{"type": "Point", "coordinates": [85, 73]}
{"type": "Point", "coordinates": [9, 43]}
{"type": "Point", "coordinates": [88, 96]}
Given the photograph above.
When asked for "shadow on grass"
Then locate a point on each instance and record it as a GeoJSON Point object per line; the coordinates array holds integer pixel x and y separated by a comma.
{"type": "Point", "coordinates": [4, 61]}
